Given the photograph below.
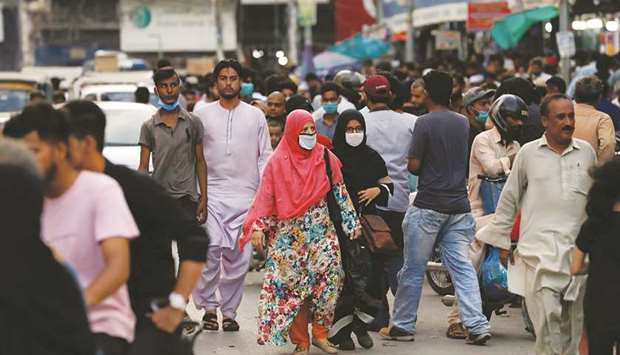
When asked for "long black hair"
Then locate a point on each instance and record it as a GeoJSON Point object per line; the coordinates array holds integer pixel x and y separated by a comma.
{"type": "Point", "coordinates": [604, 194]}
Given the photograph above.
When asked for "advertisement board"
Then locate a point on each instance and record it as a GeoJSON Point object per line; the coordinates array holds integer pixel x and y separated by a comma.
{"type": "Point", "coordinates": [481, 16]}
{"type": "Point", "coordinates": [176, 26]}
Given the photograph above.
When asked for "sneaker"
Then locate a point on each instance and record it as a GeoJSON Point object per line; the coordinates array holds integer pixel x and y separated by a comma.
{"type": "Point", "coordinates": [478, 339]}
{"type": "Point", "coordinates": [456, 331]}
{"type": "Point", "coordinates": [395, 333]}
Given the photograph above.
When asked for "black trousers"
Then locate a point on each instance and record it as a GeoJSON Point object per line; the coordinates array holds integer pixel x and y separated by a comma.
{"type": "Point", "coordinates": [110, 345]}
{"type": "Point", "coordinates": [150, 340]}
{"type": "Point", "coordinates": [602, 342]}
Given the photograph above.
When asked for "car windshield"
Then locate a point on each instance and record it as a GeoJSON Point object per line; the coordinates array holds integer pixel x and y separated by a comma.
{"type": "Point", "coordinates": [125, 97]}
{"type": "Point", "coordinates": [123, 126]}
{"type": "Point", "coordinates": [13, 100]}
{"type": "Point", "coordinates": [118, 96]}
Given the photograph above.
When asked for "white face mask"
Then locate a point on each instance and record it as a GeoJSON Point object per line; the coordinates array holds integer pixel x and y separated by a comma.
{"type": "Point", "coordinates": [354, 139]}
{"type": "Point", "coordinates": [306, 141]}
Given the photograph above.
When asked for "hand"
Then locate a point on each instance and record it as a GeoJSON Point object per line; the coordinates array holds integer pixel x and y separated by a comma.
{"type": "Point", "coordinates": [368, 195]}
{"type": "Point", "coordinates": [167, 319]}
{"type": "Point", "coordinates": [258, 239]}
{"type": "Point", "coordinates": [356, 233]}
{"type": "Point", "coordinates": [504, 256]}
{"type": "Point", "coordinates": [201, 211]}
{"type": "Point", "coordinates": [512, 158]}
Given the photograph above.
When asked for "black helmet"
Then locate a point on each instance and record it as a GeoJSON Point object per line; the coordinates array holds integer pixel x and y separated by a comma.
{"type": "Point", "coordinates": [507, 106]}
{"type": "Point", "coordinates": [349, 79]}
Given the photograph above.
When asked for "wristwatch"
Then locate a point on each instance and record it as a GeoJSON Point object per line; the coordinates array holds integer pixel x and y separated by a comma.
{"type": "Point", "coordinates": [177, 301]}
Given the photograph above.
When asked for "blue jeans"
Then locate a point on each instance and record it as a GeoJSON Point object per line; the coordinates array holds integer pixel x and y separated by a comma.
{"type": "Point", "coordinates": [454, 233]}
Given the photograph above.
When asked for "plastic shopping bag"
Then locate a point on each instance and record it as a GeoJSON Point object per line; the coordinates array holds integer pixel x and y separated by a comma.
{"type": "Point", "coordinates": [494, 277]}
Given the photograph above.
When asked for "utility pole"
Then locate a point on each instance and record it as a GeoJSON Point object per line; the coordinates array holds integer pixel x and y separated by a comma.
{"type": "Point", "coordinates": [218, 29]}
{"type": "Point", "coordinates": [564, 61]}
{"type": "Point", "coordinates": [293, 52]}
{"type": "Point", "coordinates": [409, 49]}
{"type": "Point", "coordinates": [379, 6]}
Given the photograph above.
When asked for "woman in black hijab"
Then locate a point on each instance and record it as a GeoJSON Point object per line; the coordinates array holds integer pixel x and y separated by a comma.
{"type": "Point", "coordinates": [41, 307]}
{"type": "Point", "coordinates": [365, 174]}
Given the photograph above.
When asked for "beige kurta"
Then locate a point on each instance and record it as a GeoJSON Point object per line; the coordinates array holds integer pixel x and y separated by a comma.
{"type": "Point", "coordinates": [596, 128]}
{"type": "Point", "coordinates": [551, 190]}
{"type": "Point", "coordinates": [489, 157]}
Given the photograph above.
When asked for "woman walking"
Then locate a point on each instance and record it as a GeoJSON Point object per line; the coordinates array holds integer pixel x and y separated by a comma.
{"type": "Point", "coordinates": [290, 218]}
{"type": "Point", "coordinates": [600, 239]}
{"type": "Point", "coordinates": [366, 178]}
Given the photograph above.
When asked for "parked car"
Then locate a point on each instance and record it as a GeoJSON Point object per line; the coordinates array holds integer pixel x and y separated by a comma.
{"type": "Point", "coordinates": [124, 120]}
{"type": "Point", "coordinates": [15, 90]}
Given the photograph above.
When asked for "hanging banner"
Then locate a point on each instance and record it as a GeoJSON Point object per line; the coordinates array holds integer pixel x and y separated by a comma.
{"type": "Point", "coordinates": [610, 43]}
{"type": "Point", "coordinates": [447, 40]}
{"type": "Point", "coordinates": [306, 10]}
{"type": "Point", "coordinates": [566, 43]}
{"type": "Point", "coordinates": [482, 16]}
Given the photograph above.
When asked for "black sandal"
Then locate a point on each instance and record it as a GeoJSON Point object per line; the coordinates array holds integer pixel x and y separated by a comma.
{"type": "Point", "coordinates": [210, 322]}
{"type": "Point", "coordinates": [230, 325]}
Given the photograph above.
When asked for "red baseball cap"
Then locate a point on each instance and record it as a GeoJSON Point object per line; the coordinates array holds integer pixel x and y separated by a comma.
{"type": "Point", "coordinates": [377, 86]}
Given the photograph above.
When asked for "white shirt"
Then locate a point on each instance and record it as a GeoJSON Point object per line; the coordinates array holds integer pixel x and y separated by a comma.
{"type": "Point", "coordinates": [390, 134]}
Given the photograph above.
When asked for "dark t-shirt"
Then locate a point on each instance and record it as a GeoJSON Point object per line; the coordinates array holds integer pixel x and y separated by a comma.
{"type": "Point", "coordinates": [603, 288]}
{"type": "Point", "coordinates": [440, 142]}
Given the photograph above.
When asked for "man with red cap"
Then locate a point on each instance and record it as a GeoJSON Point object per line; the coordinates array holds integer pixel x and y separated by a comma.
{"type": "Point", "coordinates": [390, 133]}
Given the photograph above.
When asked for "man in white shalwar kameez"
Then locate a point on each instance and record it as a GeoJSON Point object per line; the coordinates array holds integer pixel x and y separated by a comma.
{"type": "Point", "coordinates": [236, 147]}
{"type": "Point", "coordinates": [549, 182]}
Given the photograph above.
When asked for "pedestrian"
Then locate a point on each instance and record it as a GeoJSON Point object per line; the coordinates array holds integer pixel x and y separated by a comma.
{"type": "Point", "coordinates": [142, 95]}
{"type": "Point", "coordinates": [598, 239]}
{"type": "Point", "coordinates": [591, 125]}
{"type": "Point", "coordinates": [476, 104]}
{"type": "Point", "coordinates": [237, 146]}
{"type": "Point", "coordinates": [549, 183]}
{"type": "Point", "coordinates": [276, 130]}
{"type": "Point", "coordinates": [390, 134]}
{"type": "Point", "coordinates": [190, 97]}
{"type": "Point", "coordinates": [52, 322]}
{"type": "Point", "coordinates": [290, 220]}
{"type": "Point", "coordinates": [210, 91]}
{"type": "Point", "coordinates": [96, 226]}
{"type": "Point", "coordinates": [440, 213]}
{"type": "Point", "coordinates": [326, 116]}
{"type": "Point", "coordinates": [160, 221]}
{"type": "Point", "coordinates": [418, 97]}
{"type": "Point", "coordinates": [492, 155]}
{"type": "Point", "coordinates": [555, 85]}
{"type": "Point", "coordinates": [275, 106]}
{"type": "Point", "coordinates": [366, 178]}
{"type": "Point", "coordinates": [173, 137]}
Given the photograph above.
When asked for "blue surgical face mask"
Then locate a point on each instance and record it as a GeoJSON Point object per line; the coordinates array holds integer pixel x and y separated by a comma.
{"type": "Point", "coordinates": [482, 116]}
{"type": "Point", "coordinates": [246, 89]}
{"type": "Point", "coordinates": [330, 107]}
{"type": "Point", "coordinates": [169, 107]}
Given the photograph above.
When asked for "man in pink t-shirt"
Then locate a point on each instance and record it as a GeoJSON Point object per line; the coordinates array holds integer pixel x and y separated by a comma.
{"type": "Point", "coordinates": [87, 222]}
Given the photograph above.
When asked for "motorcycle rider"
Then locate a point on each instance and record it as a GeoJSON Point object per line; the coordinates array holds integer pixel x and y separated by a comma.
{"type": "Point", "coordinates": [492, 154]}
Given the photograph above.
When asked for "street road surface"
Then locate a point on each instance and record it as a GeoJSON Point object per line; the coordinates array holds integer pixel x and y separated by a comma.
{"type": "Point", "coordinates": [509, 336]}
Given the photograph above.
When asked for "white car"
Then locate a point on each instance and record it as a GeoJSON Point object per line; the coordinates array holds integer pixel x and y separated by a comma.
{"type": "Point", "coordinates": [113, 92]}
{"type": "Point", "coordinates": [124, 120]}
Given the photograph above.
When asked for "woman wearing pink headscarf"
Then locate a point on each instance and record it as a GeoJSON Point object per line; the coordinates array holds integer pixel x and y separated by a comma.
{"type": "Point", "coordinates": [290, 218]}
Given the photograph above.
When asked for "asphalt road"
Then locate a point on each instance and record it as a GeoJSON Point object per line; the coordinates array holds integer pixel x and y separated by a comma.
{"type": "Point", "coordinates": [509, 336]}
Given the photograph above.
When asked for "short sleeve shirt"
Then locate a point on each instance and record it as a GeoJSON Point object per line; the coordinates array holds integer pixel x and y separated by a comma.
{"type": "Point", "coordinates": [174, 153]}
{"type": "Point", "coordinates": [75, 223]}
{"type": "Point", "coordinates": [441, 143]}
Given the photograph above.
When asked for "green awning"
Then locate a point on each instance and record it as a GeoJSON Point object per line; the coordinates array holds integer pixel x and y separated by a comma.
{"type": "Point", "coordinates": [508, 31]}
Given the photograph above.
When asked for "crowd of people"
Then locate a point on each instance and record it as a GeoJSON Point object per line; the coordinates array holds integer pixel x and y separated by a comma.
{"type": "Point", "coordinates": [312, 176]}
